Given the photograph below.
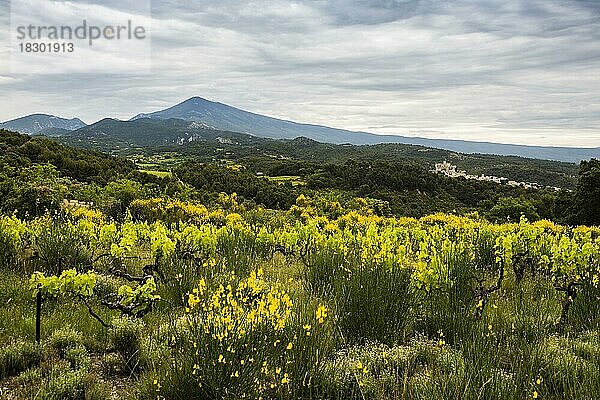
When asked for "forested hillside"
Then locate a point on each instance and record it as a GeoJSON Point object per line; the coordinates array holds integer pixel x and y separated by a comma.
{"type": "Point", "coordinates": [273, 174]}
{"type": "Point", "coordinates": [24, 151]}
{"type": "Point", "coordinates": [147, 136]}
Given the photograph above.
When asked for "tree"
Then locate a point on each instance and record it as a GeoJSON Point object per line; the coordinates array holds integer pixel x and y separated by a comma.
{"type": "Point", "coordinates": [32, 190]}
{"type": "Point", "coordinates": [511, 209]}
{"type": "Point", "coordinates": [585, 208]}
{"type": "Point", "coordinates": [123, 191]}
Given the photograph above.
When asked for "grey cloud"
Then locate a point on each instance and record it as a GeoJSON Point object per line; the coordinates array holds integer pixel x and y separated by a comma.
{"type": "Point", "coordinates": [370, 12]}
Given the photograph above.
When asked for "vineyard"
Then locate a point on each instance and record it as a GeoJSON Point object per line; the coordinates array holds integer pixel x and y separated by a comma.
{"type": "Point", "coordinates": [322, 301]}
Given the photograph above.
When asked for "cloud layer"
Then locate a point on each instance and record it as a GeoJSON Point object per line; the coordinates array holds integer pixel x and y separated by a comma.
{"type": "Point", "coordinates": [525, 71]}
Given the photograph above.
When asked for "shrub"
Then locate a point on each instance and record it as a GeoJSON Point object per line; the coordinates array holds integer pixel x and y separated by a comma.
{"type": "Point", "coordinates": [64, 385]}
{"type": "Point", "coordinates": [566, 362]}
{"type": "Point", "coordinates": [11, 232]}
{"type": "Point", "coordinates": [125, 338]}
{"type": "Point", "coordinates": [242, 340]}
{"type": "Point", "coordinates": [585, 312]}
{"type": "Point", "coordinates": [377, 371]}
{"type": "Point", "coordinates": [78, 358]}
{"type": "Point", "coordinates": [374, 302]}
{"type": "Point", "coordinates": [65, 339]}
{"type": "Point", "coordinates": [30, 378]}
{"type": "Point", "coordinates": [19, 356]}
{"type": "Point", "coordinates": [181, 276]}
{"type": "Point", "coordinates": [323, 266]}
{"type": "Point", "coordinates": [96, 389]}
{"type": "Point", "coordinates": [59, 244]}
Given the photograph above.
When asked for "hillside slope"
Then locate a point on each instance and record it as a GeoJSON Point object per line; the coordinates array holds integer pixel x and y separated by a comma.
{"type": "Point", "coordinates": [224, 117]}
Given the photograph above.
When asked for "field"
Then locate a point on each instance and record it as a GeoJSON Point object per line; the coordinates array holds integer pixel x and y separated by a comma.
{"type": "Point", "coordinates": [181, 301]}
{"type": "Point", "coordinates": [159, 174]}
{"type": "Point", "coordinates": [295, 180]}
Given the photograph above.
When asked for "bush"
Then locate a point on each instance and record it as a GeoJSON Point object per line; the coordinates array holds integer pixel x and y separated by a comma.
{"type": "Point", "coordinates": [125, 338]}
{"type": "Point", "coordinates": [96, 390]}
{"type": "Point", "coordinates": [78, 358]}
{"type": "Point", "coordinates": [19, 356]}
{"type": "Point", "coordinates": [64, 385]}
{"type": "Point", "coordinates": [377, 371]}
{"type": "Point", "coordinates": [181, 276]}
{"type": "Point", "coordinates": [59, 245]}
{"type": "Point", "coordinates": [585, 312]}
{"type": "Point", "coordinates": [374, 303]}
{"type": "Point", "coordinates": [33, 377]}
{"type": "Point", "coordinates": [60, 381]}
{"type": "Point", "coordinates": [243, 339]}
{"type": "Point", "coordinates": [11, 232]}
{"type": "Point", "coordinates": [566, 362]}
{"type": "Point", "coordinates": [65, 339]}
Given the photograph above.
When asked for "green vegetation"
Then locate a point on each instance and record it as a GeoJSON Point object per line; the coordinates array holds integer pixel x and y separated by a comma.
{"type": "Point", "coordinates": [158, 174]}
{"type": "Point", "coordinates": [215, 282]}
{"type": "Point", "coordinates": [163, 143]}
{"type": "Point", "coordinates": [583, 206]}
{"type": "Point", "coordinates": [319, 301]}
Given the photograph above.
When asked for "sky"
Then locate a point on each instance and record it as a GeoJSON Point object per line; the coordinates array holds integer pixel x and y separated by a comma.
{"type": "Point", "coordinates": [507, 71]}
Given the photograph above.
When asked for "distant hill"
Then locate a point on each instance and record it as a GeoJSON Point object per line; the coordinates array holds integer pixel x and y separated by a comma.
{"type": "Point", "coordinates": [194, 119]}
{"type": "Point", "coordinates": [53, 132]}
{"type": "Point", "coordinates": [199, 141]}
{"type": "Point", "coordinates": [224, 117]}
{"type": "Point", "coordinates": [270, 155]}
{"type": "Point", "coordinates": [273, 173]}
{"type": "Point", "coordinates": [40, 123]}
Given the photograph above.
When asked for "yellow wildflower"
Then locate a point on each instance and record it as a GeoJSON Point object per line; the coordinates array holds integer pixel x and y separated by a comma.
{"type": "Point", "coordinates": [321, 313]}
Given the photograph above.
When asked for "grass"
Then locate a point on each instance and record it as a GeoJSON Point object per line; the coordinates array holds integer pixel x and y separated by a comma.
{"type": "Point", "coordinates": [160, 174]}
{"type": "Point", "coordinates": [294, 180]}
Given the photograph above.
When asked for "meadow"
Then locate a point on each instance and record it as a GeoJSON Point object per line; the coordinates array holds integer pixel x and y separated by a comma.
{"type": "Point", "coordinates": [322, 301]}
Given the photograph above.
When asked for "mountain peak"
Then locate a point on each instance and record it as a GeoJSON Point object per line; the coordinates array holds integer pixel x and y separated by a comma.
{"type": "Point", "coordinates": [196, 99]}
{"type": "Point", "coordinates": [192, 109]}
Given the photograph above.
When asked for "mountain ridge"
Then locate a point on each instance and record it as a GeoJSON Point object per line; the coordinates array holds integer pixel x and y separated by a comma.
{"type": "Point", "coordinates": [224, 117]}
{"type": "Point", "coordinates": [201, 113]}
{"type": "Point", "coordinates": [37, 123]}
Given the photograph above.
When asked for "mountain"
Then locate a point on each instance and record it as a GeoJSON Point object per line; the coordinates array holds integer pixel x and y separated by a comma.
{"type": "Point", "coordinates": [54, 132]}
{"type": "Point", "coordinates": [228, 118]}
{"type": "Point", "coordinates": [37, 123]}
{"type": "Point", "coordinates": [113, 134]}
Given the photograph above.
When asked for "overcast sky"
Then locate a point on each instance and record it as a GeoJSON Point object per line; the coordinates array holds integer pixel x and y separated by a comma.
{"type": "Point", "coordinates": [511, 71]}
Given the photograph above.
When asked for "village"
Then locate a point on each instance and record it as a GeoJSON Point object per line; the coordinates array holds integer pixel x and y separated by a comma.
{"type": "Point", "coordinates": [446, 168]}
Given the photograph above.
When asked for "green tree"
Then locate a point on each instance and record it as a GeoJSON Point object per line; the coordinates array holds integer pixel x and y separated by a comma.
{"type": "Point", "coordinates": [32, 190]}
{"type": "Point", "coordinates": [122, 192]}
{"type": "Point", "coordinates": [583, 206]}
{"type": "Point", "coordinates": [511, 209]}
